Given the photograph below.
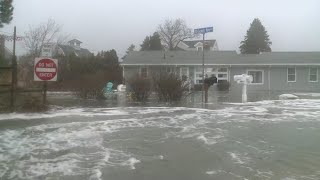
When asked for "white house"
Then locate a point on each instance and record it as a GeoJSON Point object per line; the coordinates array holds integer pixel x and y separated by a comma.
{"type": "Point", "coordinates": [196, 45]}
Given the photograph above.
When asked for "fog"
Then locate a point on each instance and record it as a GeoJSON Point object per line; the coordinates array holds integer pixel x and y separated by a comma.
{"type": "Point", "coordinates": [293, 25]}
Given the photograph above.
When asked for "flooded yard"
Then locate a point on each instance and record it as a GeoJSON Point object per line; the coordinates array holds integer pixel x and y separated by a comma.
{"type": "Point", "coordinates": [268, 139]}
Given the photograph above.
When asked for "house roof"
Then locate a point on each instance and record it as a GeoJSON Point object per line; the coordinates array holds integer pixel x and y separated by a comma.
{"type": "Point", "coordinates": [192, 44]}
{"type": "Point", "coordinates": [74, 40]}
{"type": "Point", "coordinates": [220, 58]}
{"type": "Point", "coordinates": [68, 50]}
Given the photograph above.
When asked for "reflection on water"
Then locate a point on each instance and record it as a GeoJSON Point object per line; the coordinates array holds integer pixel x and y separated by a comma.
{"type": "Point", "coordinates": [215, 98]}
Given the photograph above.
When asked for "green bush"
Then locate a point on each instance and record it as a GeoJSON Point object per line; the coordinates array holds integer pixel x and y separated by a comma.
{"type": "Point", "coordinates": [139, 87]}
{"type": "Point", "coordinates": [170, 87]}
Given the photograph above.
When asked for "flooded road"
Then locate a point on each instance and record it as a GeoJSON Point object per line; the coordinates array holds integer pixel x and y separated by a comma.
{"type": "Point", "coordinates": [258, 140]}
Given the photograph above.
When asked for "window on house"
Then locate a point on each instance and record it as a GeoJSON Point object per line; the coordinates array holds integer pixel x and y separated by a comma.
{"type": "Point", "coordinates": [199, 48]}
{"type": "Point", "coordinates": [184, 71]}
{"type": "Point", "coordinates": [313, 74]}
{"type": "Point", "coordinates": [291, 75]}
{"type": "Point", "coordinates": [257, 76]}
{"type": "Point", "coordinates": [170, 70]}
{"type": "Point", "coordinates": [220, 73]}
{"type": "Point", "coordinates": [144, 72]}
{"type": "Point", "coordinates": [222, 69]}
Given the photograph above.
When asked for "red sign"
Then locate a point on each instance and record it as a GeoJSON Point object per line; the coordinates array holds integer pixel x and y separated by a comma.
{"type": "Point", "coordinates": [45, 69]}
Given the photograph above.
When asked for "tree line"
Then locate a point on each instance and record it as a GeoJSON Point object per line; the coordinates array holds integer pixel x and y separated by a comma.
{"type": "Point", "coordinates": [172, 32]}
{"type": "Point", "coordinates": [168, 35]}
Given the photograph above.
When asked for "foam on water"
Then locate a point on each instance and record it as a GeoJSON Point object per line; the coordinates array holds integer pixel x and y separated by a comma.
{"type": "Point", "coordinates": [96, 175]}
{"type": "Point", "coordinates": [211, 172]}
{"type": "Point", "coordinates": [43, 149]}
{"type": "Point", "coordinates": [210, 140]}
{"type": "Point", "coordinates": [239, 158]}
{"type": "Point", "coordinates": [131, 162]}
{"type": "Point", "coordinates": [86, 112]}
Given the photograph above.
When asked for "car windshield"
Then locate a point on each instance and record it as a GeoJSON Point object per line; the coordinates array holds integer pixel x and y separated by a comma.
{"type": "Point", "coordinates": [161, 90]}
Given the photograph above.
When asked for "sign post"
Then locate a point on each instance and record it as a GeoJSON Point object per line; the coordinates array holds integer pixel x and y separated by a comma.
{"type": "Point", "coordinates": [45, 69]}
{"type": "Point", "coordinates": [203, 31]}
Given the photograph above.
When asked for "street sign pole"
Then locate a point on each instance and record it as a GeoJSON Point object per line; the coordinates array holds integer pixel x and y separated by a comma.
{"type": "Point", "coordinates": [203, 31]}
{"type": "Point", "coordinates": [202, 67]}
{"type": "Point", "coordinates": [45, 69]}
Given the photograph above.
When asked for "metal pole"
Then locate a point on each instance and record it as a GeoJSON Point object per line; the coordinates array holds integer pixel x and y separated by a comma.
{"type": "Point", "coordinates": [13, 71]}
{"type": "Point", "coordinates": [44, 97]}
{"type": "Point", "coordinates": [203, 67]}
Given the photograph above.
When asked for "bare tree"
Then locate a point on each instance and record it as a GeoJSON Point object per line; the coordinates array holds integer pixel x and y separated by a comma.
{"type": "Point", "coordinates": [62, 39]}
{"type": "Point", "coordinates": [36, 37]}
{"type": "Point", "coordinates": [172, 32]}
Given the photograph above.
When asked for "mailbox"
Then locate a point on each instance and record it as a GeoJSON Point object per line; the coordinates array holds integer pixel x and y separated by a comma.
{"type": "Point", "coordinates": [243, 79]}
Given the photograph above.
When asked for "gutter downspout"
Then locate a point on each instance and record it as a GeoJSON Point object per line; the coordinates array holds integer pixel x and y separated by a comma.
{"type": "Point", "coordinates": [229, 74]}
{"type": "Point", "coordinates": [123, 78]}
{"type": "Point", "coordinates": [269, 81]}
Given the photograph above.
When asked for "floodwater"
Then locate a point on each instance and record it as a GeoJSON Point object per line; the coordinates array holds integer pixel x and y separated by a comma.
{"type": "Point", "coordinates": [268, 139]}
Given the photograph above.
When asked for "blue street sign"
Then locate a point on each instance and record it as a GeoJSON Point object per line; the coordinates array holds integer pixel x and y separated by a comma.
{"type": "Point", "coordinates": [209, 29]}
{"type": "Point", "coordinates": [203, 30]}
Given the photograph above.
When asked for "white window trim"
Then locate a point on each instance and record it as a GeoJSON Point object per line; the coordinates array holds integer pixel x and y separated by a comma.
{"type": "Point", "coordinates": [215, 72]}
{"type": "Point", "coordinates": [260, 70]}
{"type": "Point", "coordinates": [171, 70]}
{"type": "Point", "coordinates": [313, 74]}
{"type": "Point", "coordinates": [140, 71]}
{"type": "Point", "coordinates": [295, 74]}
{"type": "Point", "coordinates": [198, 44]}
{"type": "Point", "coordinates": [187, 71]}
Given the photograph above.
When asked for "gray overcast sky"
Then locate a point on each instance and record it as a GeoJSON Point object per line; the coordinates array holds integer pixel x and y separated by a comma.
{"type": "Point", "coordinates": [293, 25]}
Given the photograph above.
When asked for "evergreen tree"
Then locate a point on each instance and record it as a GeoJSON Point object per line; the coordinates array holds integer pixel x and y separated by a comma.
{"type": "Point", "coordinates": [155, 42]}
{"type": "Point", "coordinates": [151, 43]}
{"type": "Point", "coordinates": [6, 11]}
{"type": "Point", "coordinates": [131, 48]}
{"type": "Point", "coordinates": [145, 46]}
{"type": "Point", "coordinates": [257, 39]}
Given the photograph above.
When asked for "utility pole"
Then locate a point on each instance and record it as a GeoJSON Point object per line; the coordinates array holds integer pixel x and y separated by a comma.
{"type": "Point", "coordinates": [14, 72]}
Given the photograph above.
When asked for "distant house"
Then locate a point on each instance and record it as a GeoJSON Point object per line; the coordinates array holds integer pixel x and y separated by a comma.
{"type": "Point", "coordinates": [197, 45]}
{"type": "Point", "coordinates": [272, 71]}
{"type": "Point", "coordinates": [73, 48]}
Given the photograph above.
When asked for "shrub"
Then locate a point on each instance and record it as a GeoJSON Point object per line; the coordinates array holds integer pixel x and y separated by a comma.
{"type": "Point", "coordinates": [197, 87]}
{"type": "Point", "coordinates": [139, 87]}
{"type": "Point", "coordinates": [170, 87]}
{"type": "Point", "coordinates": [223, 85]}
